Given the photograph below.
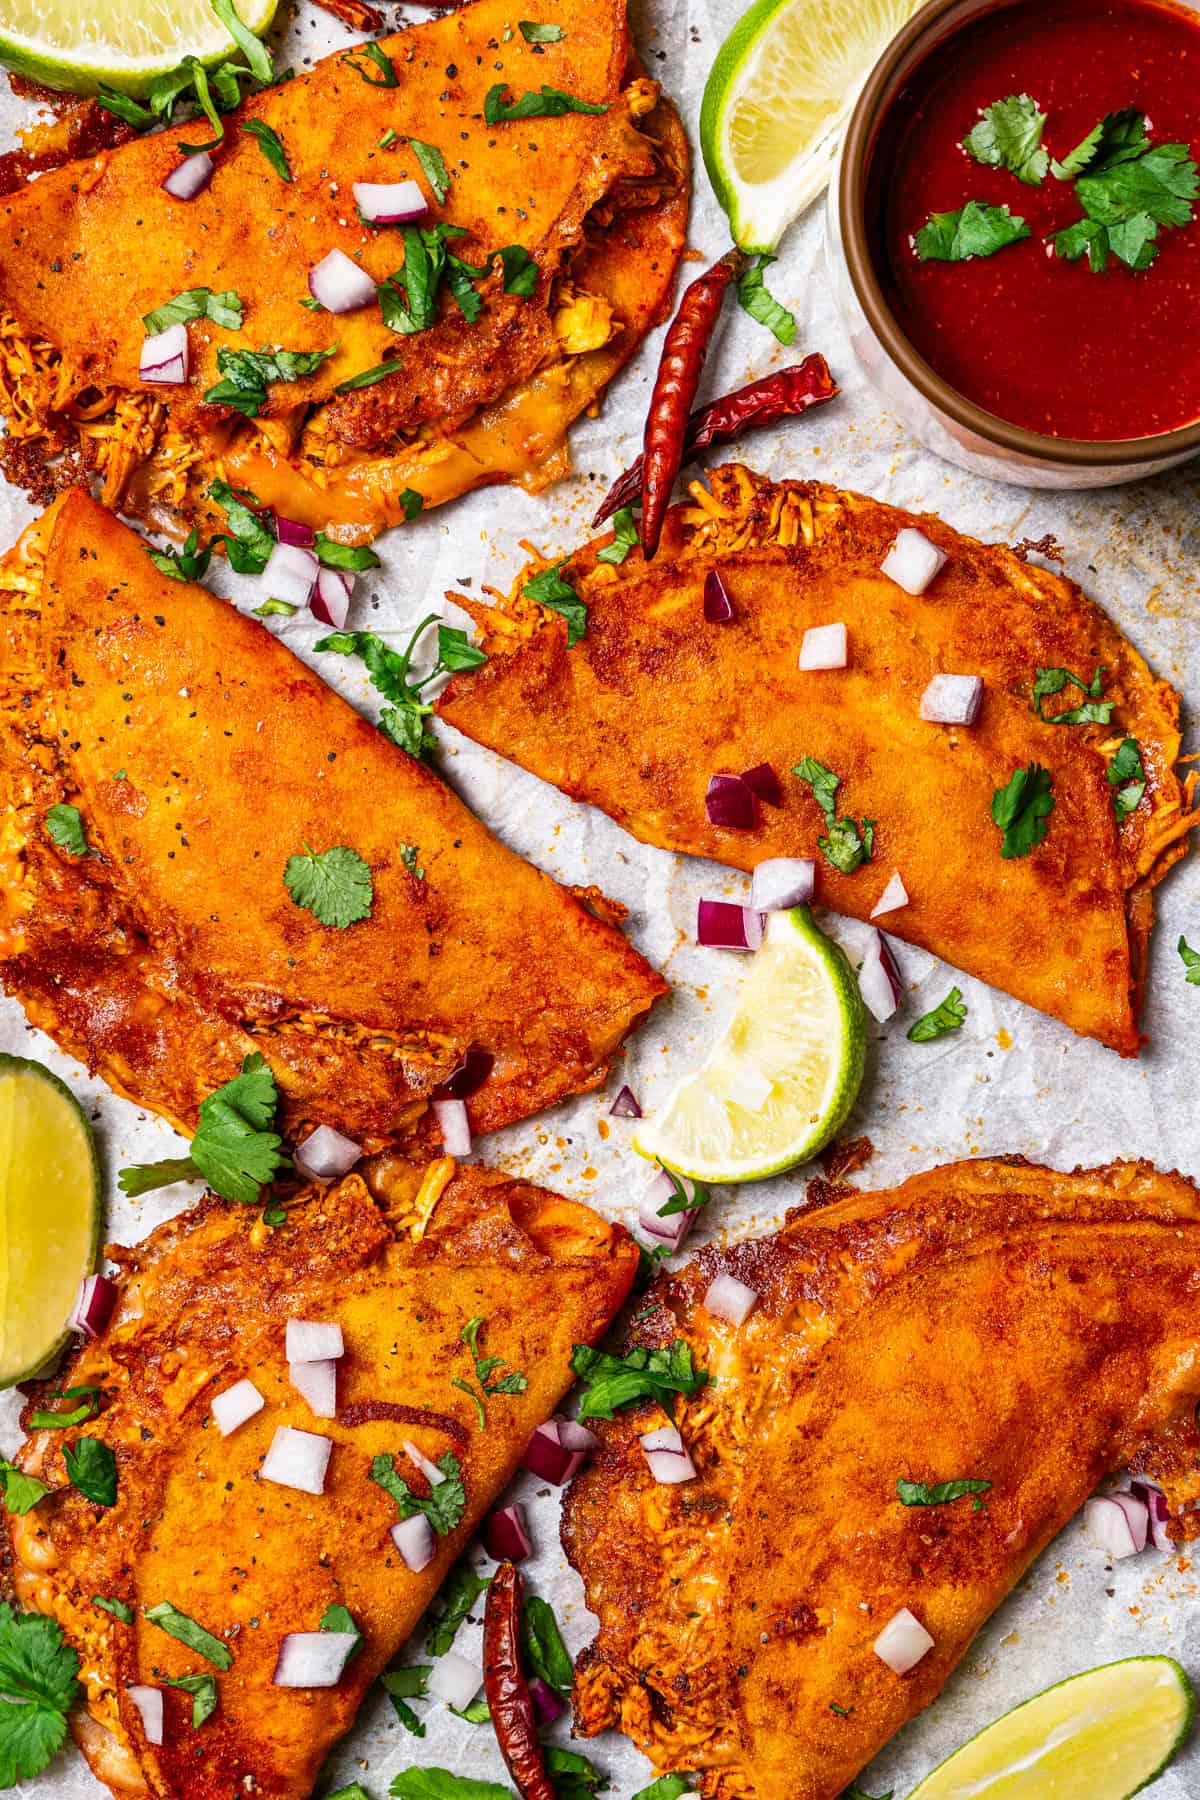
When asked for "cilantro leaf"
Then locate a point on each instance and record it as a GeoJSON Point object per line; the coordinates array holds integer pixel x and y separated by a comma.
{"type": "Point", "coordinates": [144, 1178]}
{"type": "Point", "coordinates": [411, 502]}
{"type": "Point", "coordinates": [975, 229]}
{"type": "Point", "coordinates": [356, 1790]}
{"type": "Point", "coordinates": [1126, 773]}
{"type": "Point", "coordinates": [271, 145]}
{"type": "Point", "coordinates": [203, 1689]}
{"type": "Point", "coordinates": [1118, 136]}
{"type": "Point", "coordinates": [43, 1420]}
{"type": "Point", "coordinates": [854, 1792]}
{"type": "Point", "coordinates": [408, 856]}
{"type": "Point", "coordinates": [387, 77]}
{"type": "Point", "coordinates": [402, 1685]}
{"type": "Point", "coordinates": [823, 781]}
{"type": "Point", "coordinates": [20, 1492]}
{"type": "Point", "coordinates": [269, 609]}
{"type": "Point", "coordinates": [1053, 681]}
{"type": "Point", "coordinates": [541, 1640]}
{"type": "Point", "coordinates": [625, 537]}
{"type": "Point", "coordinates": [250, 47]}
{"type": "Point", "coordinates": [1191, 962]}
{"type": "Point", "coordinates": [196, 303]}
{"type": "Point", "coordinates": [249, 373]}
{"type": "Point", "coordinates": [535, 33]}
{"type": "Point", "coordinates": [1009, 136]}
{"type": "Point", "coordinates": [249, 540]}
{"type": "Point", "coordinates": [447, 1499]}
{"type": "Point", "coordinates": [949, 1016]}
{"type": "Point", "coordinates": [334, 885]}
{"type": "Point", "coordinates": [846, 846]}
{"type": "Point", "coordinates": [433, 167]}
{"type": "Point", "coordinates": [440, 1784]}
{"type": "Point", "coordinates": [340, 1618]}
{"type": "Point", "coordinates": [681, 1200]}
{"type": "Point", "coordinates": [616, 1381]}
{"type": "Point", "coordinates": [1021, 809]}
{"type": "Point", "coordinates": [404, 720]}
{"type": "Point", "coordinates": [458, 1594]}
{"type": "Point", "coordinates": [456, 651]}
{"type": "Point", "coordinates": [344, 556]}
{"type": "Point", "coordinates": [65, 827]}
{"type": "Point", "coordinates": [234, 1149]}
{"type": "Point", "coordinates": [549, 589]}
{"type": "Point", "coordinates": [916, 1493]}
{"type": "Point", "coordinates": [520, 272]}
{"type": "Point", "coordinates": [92, 1470]}
{"type": "Point", "coordinates": [547, 103]}
{"type": "Point", "coordinates": [1128, 189]}
{"type": "Point", "coordinates": [117, 1608]}
{"type": "Point", "coordinates": [753, 298]}
{"type": "Point", "coordinates": [667, 1787]}
{"type": "Point", "coordinates": [1084, 236]}
{"type": "Point", "coordinates": [1161, 181]}
{"type": "Point", "coordinates": [368, 377]}
{"type": "Point", "coordinates": [574, 1777]}
{"type": "Point", "coordinates": [189, 563]}
{"type": "Point", "coordinates": [176, 1624]}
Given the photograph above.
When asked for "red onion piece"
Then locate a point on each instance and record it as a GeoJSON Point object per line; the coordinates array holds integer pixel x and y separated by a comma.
{"type": "Point", "coordinates": [1159, 1513]}
{"type": "Point", "coordinates": [718, 607]}
{"type": "Point", "coordinates": [879, 980]}
{"type": "Point", "coordinates": [1138, 1515]}
{"type": "Point", "coordinates": [314, 1659]}
{"type": "Point", "coordinates": [290, 574]}
{"type": "Point", "coordinates": [390, 202]}
{"type": "Point", "coordinates": [297, 1459]}
{"type": "Point", "coordinates": [415, 1541]}
{"type": "Point", "coordinates": [952, 699]}
{"type": "Point", "coordinates": [782, 882]}
{"type": "Point", "coordinates": [468, 1078]}
{"type": "Point", "coordinates": [722, 925]}
{"type": "Point", "coordinates": [1115, 1528]}
{"type": "Point", "coordinates": [912, 562]}
{"type": "Point", "coordinates": [452, 1120]}
{"type": "Point", "coordinates": [902, 1642]}
{"type": "Point", "coordinates": [824, 647]}
{"type": "Point", "coordinates": [574, 1436]}
{"type": "Point", "coordinates": [454, 1679]}
{"type": "Point", "coordinates": [290, 531]}
{"type": "Point", "coordinates": [190, 176]}
{"type": "Point", "coordinates": [234, 1405]}
{"type": "Point", "coordinates": [763, 781]}
{"type": "Point", "coordinates": [326, 1154]}
{"type": "Point", "coordinates": [730, 1299]}
{"type": "Point", "coordinates": [547, 1457]}
{"type": "Point", "coordinates": [625, 1106]}
{"type": "Point", "coordinates": [94, 1305]}
{"type": "Point", "coordinates": [674, 1228]}
{"type": "Point", "coordinates": [419, 1460]}
{"type": "Point", "coordinates": [339, 285]}
{"type": "Point", "coordinates": [149, 1702]}
{"type": "Point", "coordinates": [504, 1536]}
{"type": "Point", "coordinates": [331, 598]}
{"type": "Point", "coordinates": [313, 1340]}
{"type": "Point", "coordinates": [667, 1457]}
{"type": "Point", "coordinates": [894, 896]}
{"type": "Point", "coordinates": [730, 802]}
{"type": "Point", "coordinates": [546, 1703]}
{"type": "Point", "coordinates": [164, 357]}
{"type": "Point", "coordinates": [316, 1383]}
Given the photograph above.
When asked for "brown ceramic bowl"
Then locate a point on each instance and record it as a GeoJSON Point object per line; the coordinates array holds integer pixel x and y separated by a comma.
{"type": "Point", "coordinates": [942, 418]}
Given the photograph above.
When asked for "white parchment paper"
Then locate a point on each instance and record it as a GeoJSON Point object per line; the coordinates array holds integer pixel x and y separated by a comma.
{"type": "Point", "coordinates": [1009, 1081]}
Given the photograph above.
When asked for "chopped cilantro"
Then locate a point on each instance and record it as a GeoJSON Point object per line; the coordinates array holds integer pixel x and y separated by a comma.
{"type": "Point", "coordinates": [547, 103]}
{"type": "Point", "coordinates": [916, 1493]}
{"type": "Point", "coordinates": [1021, 809]}
{"type": "Point", "coordinates": [368, 377]}
{"type": "Point", "coordinates": [754, 299]}
{"type": "Point", "coordinates": [89, 1398]}
{"type": "Point", "coordinates": [249, 540]}
{"type": "Point", "coordinates": [1053, 681]}
{"type": "Point", "coordinates": [1118, 136]}
{"type": "Point", "coordinates": [234, 1148]}
{"type": "Point", "coordinates": [344, 556]}
{"type": "Point", "coordinates": [854, 1792]}
{"type": "Point", "coordinates": [387, 77]}
{"type": "Point", "coordinates": [253, 51]}
{"type": "Point", "coordinates": [403, 1685]}
{"type": "Point", "coordinates": [1126, 774]}
{"type": "Point", "coordinates": [389, 138]}
{"type": "Point", "coordinates": [847, 845]}
{"type": "Point", "coordinates": [334, 885]}
{"type": "Point", "coordinates": [117, 1608]}
{"type": "Point", "coordinates": [440, 1784]}
{"type": "Point", "coordinates": [203, 1689]}
{"type": "Point", "coordinates": [408, 856]}
{"type": "Point", "coordinates": [92, 1470]}
{"type": "Point", "coordinates": [549, 589]}
{"type": "Point", "coordinates": [625, 537]}
{"type": "Point", "coordinates": [408, 298]}
{"type": "Point", "coordinates": [433, 167]}
{"type": "Point", "coordinates": [271, 145]}
{"type": "Point", "coordinates": [667, 1787]}
{"type": "Point", "coordinates": [340, 1618]}
{"type": "Point", "coordinates": [65, 826]}
{"type": "Point", "coordinates": [249, 373]}
{"type": "Point", "coordinates": [356, 1790]}
{"type": "Point", "coordinates": [19, 1492]}
{"type": "Point", "coordinates": [275, 1216]}
{"type": "Point", "coordinates": [541, 1640]}
{"type": "Point", "coordinates": [949, 1016]}
{"type": "Point", "coordinates": [196, 303]}
{"type": "Point", "coordinates": [842, 1712]}
{"type": "Point", "coordinates": [616, 1381]}
{"type": "Point", "coordinates": [404, 719]}
{"type": "Point", "coordinates": [485, 1370]}
{"type": "Point", "coordinates": [410, 503]}
{"type": "Point", "coordinates": [574, 1777]}
{"type": "Point", "coordinates": [975, 229]}
{"type": "Point", "coordinates": [458, 1594]}
{"type": "Point", "coordinates": [1191, 962]}
{"type": "Point", "coordinates": [1009, 136]}
{"type": "Point", "coordinates": [189, 563]}
{"type": "Point", "coordinates": [535, 33]}
{"type": "Point", "coordinates": [681, 1200]}
{"type": "Point", "coordinates": [38, 1679]}
{"type": "Point", "coordinates": [270, 608]}
{"type": "Point", "coordinates": [176, 1624]}
{"type": "Point", "coordinates": [520, 272]}
{"type": "Point", "coordinates": [1128, 189]}
{"type": "Point", "coordinates": [447, 1499]}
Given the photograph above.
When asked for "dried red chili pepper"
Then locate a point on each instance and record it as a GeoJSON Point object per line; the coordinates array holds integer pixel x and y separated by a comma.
{"type": "Point", "coordinates": [675, 388]}
{"type": "Point", "coordinates": [787, 392]}
{"type": "Point", "coordinates": [504, 1683]}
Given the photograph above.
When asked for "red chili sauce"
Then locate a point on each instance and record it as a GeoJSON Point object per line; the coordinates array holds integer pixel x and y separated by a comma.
{"type": "Point", "coordinates": [1042, 342]}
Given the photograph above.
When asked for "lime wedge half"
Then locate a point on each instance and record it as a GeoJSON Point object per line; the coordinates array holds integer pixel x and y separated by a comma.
{"type": "Point", "coordinates": [1099, 1736]}
{"type": "Point", "coordinates": [82, 44]}
{"type": "Point", "coordinates": [785, 1074]}
{"type": "Point", "coordinates": [777, 101]}
{"type": "Point", "coordinates": [49, 1214]}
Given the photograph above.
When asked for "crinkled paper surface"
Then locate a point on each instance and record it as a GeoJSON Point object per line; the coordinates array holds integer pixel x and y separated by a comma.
{"type": "Point", "coordinates": [1010, 1081]}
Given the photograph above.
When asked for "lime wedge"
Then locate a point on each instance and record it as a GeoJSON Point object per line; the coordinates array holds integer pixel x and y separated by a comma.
{"type": "Point", "coordinates": [782, 1079]}
{"type": "Point", "coordinates": [49, 1214]}
{"type": "Point", "coordinates": [1102, 1735]}
{"type": "Point", "coordinates": [80, 45]}
{"type": "Point", "coordinates": [777, 101]}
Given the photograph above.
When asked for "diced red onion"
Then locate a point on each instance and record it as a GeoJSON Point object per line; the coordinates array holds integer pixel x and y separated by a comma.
{"type": "Point", "coordinates": [548, 1457]}
{"type": "Point", "coordinates": [952, 699]}
{"type": "Point", "coordinates": [390, 202]}
{"type": "Point", "coordinates": [674, 1228]}
{"type": "Point", "coordinates": [912, 562]}
{"type": "Point", "coordinates": [894, 896]}
{"type": "Point", "coordinates": [730, 1299]}
{"type": "Point", "coordinates": [879, 979]}
{"type": "Point", "coordinates": [574, 1436]}
{"type": "Point", "coordinates": [429, 1470]}
{"type": "Point", "coordinates": [297, 1459]}
{"type": "Point", "coordinates": [1159, 1513]}
{"type": "Point", "coordinates": [332, 596]}
{"type": "Point", "coordinates": [314, 1659]}
{"type": "Point", "coordinates": [313, 1340]}
{"type": "Point", "coordinates": [235, 1405]}
{"type": "Point", "coordinates": [189, 177]}
{"type": "Point", "coordinates": [723, 925]}
{"type": "Point", "coordinates": [316, 1382]}
{"type": "Point", "coordinates": [415, 1541]}
{"type": "Point", "coordinates": [149, 1702]}
{"type": "Point", "coordinates": [94, 1304]}
{"type": "Point", "coordinates": [763, 781]}
{"type": "Point", "coordinates": [625, 1105]}
{"type": "Point", "coordinates": [781, 882]}
{"type": "Point", "coordinates": [1114, 1527]}
{"type": "Point", "coordinates": [718, 607]}
{"type": "Point", "coordinates": [730, 802]}
{"type": "Point", "coordinates": [468, 1078]}
{"type": "Point", "coordinates": [546, 1703]}
{"type": "Point", "coordinates": [824, 647]}
{"type": "Point", "coordinates": [164, 355]}
{"type": "Point", "coordinates": [454, 1679]}
{"type": "Point", "coordinates": [290, 531]}
{"type": "Point", "coordinates": [902, 1642]}
{"type": "Point", "coordinates": [455, 1128]}
{"type": "Point", "coordinates": [290, 574]}
{"type": "Point", "coordinates": [504, 1536]}
{"type": "Point", "coordinates": [667, 1457]}
{"type": "Point", "coordinates": [326, 1154]}
{"type": "Point", "coordinates": [339, 285]}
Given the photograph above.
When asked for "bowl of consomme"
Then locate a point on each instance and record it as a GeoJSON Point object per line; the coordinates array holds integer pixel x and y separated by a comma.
{"type": "Point", "coordinates": [1014, 236]}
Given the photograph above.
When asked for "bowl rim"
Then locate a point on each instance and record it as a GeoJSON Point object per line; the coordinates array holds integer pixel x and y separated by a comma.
{"type": "Point", "coordinates": [920, 32]}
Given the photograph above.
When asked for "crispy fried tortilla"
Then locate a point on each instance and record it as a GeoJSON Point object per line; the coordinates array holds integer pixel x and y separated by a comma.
{"type": "Point", "coordinates": [598, 200]}
{"type": "Point", "coordinates": [985, 1321]}
{"type": "Point", "coordinates": [201, 756]}
{"type": "Point", "coordinates": [205, 1303]}
{"type": "Point", "coordinates": [640, 714]}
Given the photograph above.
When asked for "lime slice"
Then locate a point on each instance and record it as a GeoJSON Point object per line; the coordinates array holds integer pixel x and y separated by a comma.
{"type": "Point", "coordinates": [1099, 1736]}
{"type": "Point", "coordinates": [777, 101]}
{"type": "Point", "coordinates": [782, 1079]}
{"type": "Point", "coordinates": [80, 44]}
{"type": "Point", "coordinates": [49, 1214]}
